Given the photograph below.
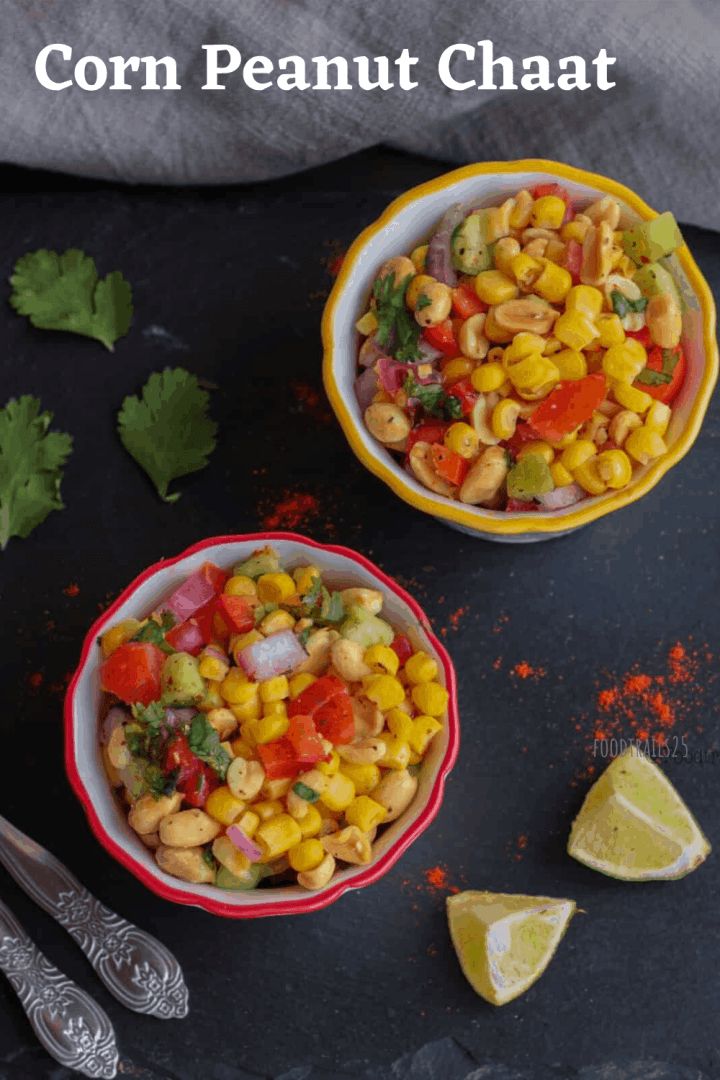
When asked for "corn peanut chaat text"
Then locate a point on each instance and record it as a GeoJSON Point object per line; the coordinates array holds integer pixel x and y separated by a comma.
{"type": "Point", "coordinates": [262, 727]}
{"type": "Point", "coordinates": [527, 356]}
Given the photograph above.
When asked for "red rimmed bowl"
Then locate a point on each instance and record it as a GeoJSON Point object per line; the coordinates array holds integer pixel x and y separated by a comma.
{"type": "Point", "coordinates": [340, 567]}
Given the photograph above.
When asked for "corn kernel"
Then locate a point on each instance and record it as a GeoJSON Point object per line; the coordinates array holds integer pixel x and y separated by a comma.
{"type": "Point", "coordinates": [311, 823]}
{"type": "Point", "coordinates": [384, 690]}
{"type": "Point", "coordinates": [229, 856]}
{"type": "Point", "coordinates": [274, 708]}
{"type": "Point", "coordinates": [415, 288]}
{"type": "Point", "coordinates": [305, 577]}
{"type": "Point", "coordinates": [504, 418]}
{"type": "Point", "coordinates": [329, 768]}
{"type": "Point", "coordinates": [494, 287]}
{"type": "Point", "coordinates": [577, 454]}
{"type": "Point", "coordinates": [235, 687]}
{"type": "Point", "coordinates": [223, 806]}
{"type": "Point", "coordinates": [522, 210]}
{"type": "Point", "coordinates": [456, 369]}
{"type": "Point", "coordinates": [364, 777]}
{"type": "Point", "coordinates": [610, 328]}
{"type": "Point", "coordinates": [275, 689]}
{"type": "Point", "coordinates": [462, 439]}
{"type": "Point", "coordinates": [554, 283]}
{"type": "Point", "coordinates": [397, 751]}
{"type": "Point", "coordinates": [588, 477]}
{"type": "Point", "coordinates": [240, 585]}
{"type": "Point", "coordinates": [306, 855]}
{"type": "Point", "coordinates": [119, 635]}
{"type": "Point", "coordinates": [242, 748]}
{"type": "Point", "coordinates": [624, 362]}
{"type": "Point", "coordinates": [614, 468]}
{"type": "Point", "coordinates": [267, 808]}
{"type": "Point", "coordinates": [570, 363]}
{"type": "Point", "coordinates": [212, 667]}
{"type": "Point", "coordinates": [418, 257]}
{"type": "Point", "coordinates": [548, 212]}
{"type": "Point", "coordinates": [339, 793]}
{"type": "Point", "coordinates": [277, 835]}
{"type": "Point", "coordinates": [246, 710]}
{"type": "Point", "coordinates": [574, 230]}
{"type": "Point", "coordinates": [430, 698]}
{"type": "Point", "coordinates": [248, 822]}
{"type": "Point", "coordinates": [365, 813]}
{"type": "Point", "coordinates": [269, 728]}
{"type": "Point", "coordinates": [274, 588]}
{"type": "Point", "coordinates": [275, 621]}
{"type": "Point", "coordinates": [523, 345]}
{"type": "Point", "coordinates": [525, 269]}
{"type": "Point", "coordinates": [421, 668]}
{"type": "Point", "coordinates": [272, 790]}
{"type": "Point", "coordinates": [575, 330]}
{"type": "Point", "coordinates": [658, 417]}
{"type": "Point", "coordinates": [383, 659]}
{"type": "Point", "coordinates": [631, 398]}
{"type": "Point", "coordinates": [367, 324]}
{"type": "Point", "coordinates": [488, 377]}
{"type": "Point", "coordinates": [585, 298]}
{"type": "Point", "coordinates": [645, 445]}
{"type": "Point", "coordinates": [424, 729]}
{"type": "Point", "coordinates": [247, 729]}
{"type": "Point", "coordinates": [560, 475]}
{"type": "Point", "coordinates": [298, 683]}
{"type": "Point", "coordinates": [540, 449]}
{"type": "Point", "coordinates": [400, 724]}
{"type": "Point", "coordinates": [533, 374]}
{"type": "Point", "coordinates": [223, 721]}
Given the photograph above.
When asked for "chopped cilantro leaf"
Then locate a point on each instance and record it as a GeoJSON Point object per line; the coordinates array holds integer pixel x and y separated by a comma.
{"type": "Point", "coordinates": [397, 331]}
{"type": "Point", "coordinates": [622, 305]}
{"type": "Point", "coordinates": [423, 301]}
{"type": "Point", "coordinates": [652, 377]}
{"type": "Point", "coordinates": [305, 792]}
{"type": "Point", "coordinates": [205, 744]}
{"type": "Point", "coordinates": [433, 399]}
{"type": "Point", "coordinates": [154, 632]}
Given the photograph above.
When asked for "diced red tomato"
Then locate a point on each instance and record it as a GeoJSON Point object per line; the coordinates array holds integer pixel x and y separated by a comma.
{"type": "Point", "coordinates": [237, 612]}
{"type": "Point", "coordinates": [442, 337]}
{"type": "Point", "coordinates": [466, 302]}
{"type": "Point", "coordinates": [523, 434]}
{"type": "Point", "coordinates": [278, 759]}
{"type": "Point", "coordinates": [204, 619]}
{"type": "Point", "coordinates": [305, 741]}
{"type": "Point", "coordinates": [335, 720]}
{"type": "Point", "coordinates": [402, 647]}
{"type": "Point", "coordinates": [448, 465]}
{"type": "Point", "coordinates": [521, 504]}
{"type": "Point", "coordinates": [665, 392]}
{"type": "Point", "coordinates": [180, 758]}
{"type": "Point", "coordinates": [317, 694]}
{"type": "Point", "coordinates": [570, 404]}
{"type": "Point", "coordinates": [196, 788]}
{"type": "Point", "coordinates": [132, 672]}
{"type": "Point", "coordinates": [186, 637]}
{"type": "Point", "coordinates": [643, 336]}
{"type": "Point", "coordinates": [466, 394]}
{"type": "Point", "coordinates": [431, 432]}
{"type": "Point", "coordinates": [573, 260]}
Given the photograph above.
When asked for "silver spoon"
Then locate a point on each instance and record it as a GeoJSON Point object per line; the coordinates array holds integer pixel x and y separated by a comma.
{"type": "Point", "coordinates": [135, 967]}
{"type": "Point", "coordinates": [69, 1024]}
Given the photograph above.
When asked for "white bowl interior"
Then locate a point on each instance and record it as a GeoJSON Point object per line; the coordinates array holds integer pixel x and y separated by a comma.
{"type": "Point", "coordinates": [339, 571]}
{"type": "Point", "coordinates": [411, 226]}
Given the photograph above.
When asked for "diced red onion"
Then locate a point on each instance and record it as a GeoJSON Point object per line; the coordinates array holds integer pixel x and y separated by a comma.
{"type": "Point", "coordinates": [243, 843]}
{"type": "Point", "coordinates": [392, 374]}
{"type": "Point", "coordinates": [567, 495]}
{"type": "Point", "coordinates": [272, 656]}
{"type": "Point", "coordinates": [428, 353]}
{"type": "Point", "coordinates": [175, 718]}
{"type": "Point", "coordinates": [366, 387]}
{"type": "Point", "coordinates": [115, 717]}
{"type": "Point", "coordinates": [216, 653]}
{"type": "Point", "coordinates": [193, 594]}
{"type": "Point", "coordinates": [438, 261]}
{"type": "Point", "coordinates": [370, 351]}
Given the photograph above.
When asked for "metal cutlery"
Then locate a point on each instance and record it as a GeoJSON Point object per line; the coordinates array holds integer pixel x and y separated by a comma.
{"type": "Point", "coordinates": [68, 1022]}
{"type": "Point", "coordinates": [134, 966]}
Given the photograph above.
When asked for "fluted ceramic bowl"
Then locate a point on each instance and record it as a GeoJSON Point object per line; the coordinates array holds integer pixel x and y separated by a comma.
{"type": "Point", "coordinates": [407, 222]}
{"type": "Point", "coordinates": [341, 568]}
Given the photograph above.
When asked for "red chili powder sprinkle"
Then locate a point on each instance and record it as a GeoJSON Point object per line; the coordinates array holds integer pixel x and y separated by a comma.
{"type": "Point", "coordinates": [292, 510]}
{"type": "Point", "coordinates": [334, 266]}
{"type": "Point", "coordinates": [312, 402]}
{"type": "Point", "coordinates": [72, 590]}
{"type": "Point", "coordinates": [457, 616]}
{"type": "Point", "coordinates": [35, 680]}
{"type": "Point", "coordinates": [437, 879]}
{"type": "Point", "coordinates": [524, 670]}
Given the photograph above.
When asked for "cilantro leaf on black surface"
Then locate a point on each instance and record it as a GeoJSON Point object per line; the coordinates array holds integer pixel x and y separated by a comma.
{"type": "Point", "coordinates": [31, 467]}
{"type": "Point", "coordinates": [62, 292]}
{"type": "Point", "coordinates": [168, 430]}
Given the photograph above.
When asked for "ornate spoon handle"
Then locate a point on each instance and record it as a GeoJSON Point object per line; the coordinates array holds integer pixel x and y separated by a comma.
{"type": "Point", "coordinates": [135, 967]}
{"type": "Point", "coordinates": [69, 1024]}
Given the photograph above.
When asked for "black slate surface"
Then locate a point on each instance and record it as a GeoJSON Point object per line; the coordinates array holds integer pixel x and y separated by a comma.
{"type": "Point", "coordinates": [230, 283]}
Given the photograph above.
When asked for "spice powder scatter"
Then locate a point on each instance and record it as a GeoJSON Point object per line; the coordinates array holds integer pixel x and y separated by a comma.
{"type": "Point", "coordinates": [293, 509]}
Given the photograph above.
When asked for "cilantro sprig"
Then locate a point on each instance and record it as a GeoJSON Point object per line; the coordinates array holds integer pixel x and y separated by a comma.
{"type": "Point", "coordinates": [31, 467]}
{"type": "Point", "coordinates": [652, 377]}
{"type": "Point", "coordinates": [167, 430]}
{"type": "Point", "coordinates": [64, 292]}
{"type": "Point", "coordinates": [397, 331]}
{"type": "Point", "coordinates": [433, 399]}
{"type": "Point", "coordinates": [154, 632]}
{"type": "Point", "coordinates": [204, 742]}
{"type": "Point", "coordinates": [623, 306]}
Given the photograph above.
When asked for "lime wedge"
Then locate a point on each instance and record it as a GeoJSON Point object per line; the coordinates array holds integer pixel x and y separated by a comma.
{"type": "Point", "coordinates": [505, 942]}
{"type": "Point", "coordinates": [633, 824]}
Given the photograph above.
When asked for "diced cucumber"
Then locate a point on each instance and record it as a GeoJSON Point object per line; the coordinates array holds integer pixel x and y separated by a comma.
{"type": "Point", "coordinates": [181, 681]}
{"type": "Point", "coordinates": [652, 240]}
{"type": "Point", "coordinates": [247, 880]}
{"type": "Point", "coordinates": [654, 279]}
{"type": "Point", "coordinates": [470, 252]}
{"type": "Point", "coordinates": [366, 629]}
{"type": "Point", "coordinates": [263, 561]}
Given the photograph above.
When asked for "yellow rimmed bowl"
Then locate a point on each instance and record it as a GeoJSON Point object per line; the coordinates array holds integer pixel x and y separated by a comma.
{"type": "Point", "coordinates": [407, 222]}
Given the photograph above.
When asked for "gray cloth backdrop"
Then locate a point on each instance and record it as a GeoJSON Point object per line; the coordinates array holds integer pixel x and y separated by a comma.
{"type": "Point", "coordinates": [656, 131]}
